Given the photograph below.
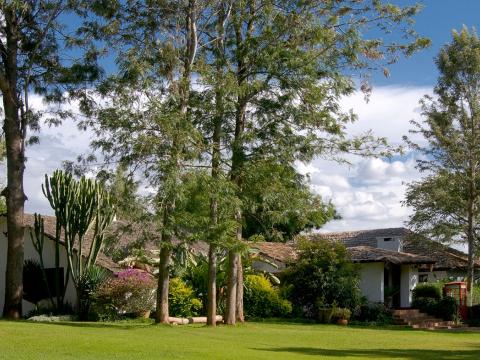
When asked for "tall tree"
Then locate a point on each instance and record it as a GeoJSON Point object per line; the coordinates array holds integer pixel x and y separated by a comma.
{"type": "Point", "coordinates": [446, 202]}
{"type": "Point", "coordinates": [290, 62]}
{"type": "Point", "coordinates": [143, 118]}
{"type": "Point", "coordinates": [32, 48]}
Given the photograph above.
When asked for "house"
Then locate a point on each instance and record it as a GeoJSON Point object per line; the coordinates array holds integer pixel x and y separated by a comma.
{"type": "Point", "coordinates": [392, 261]}
{"type": "Point", "coordinates": [388, 258]}
{"type": "Point", "coordinates": [48, 254]}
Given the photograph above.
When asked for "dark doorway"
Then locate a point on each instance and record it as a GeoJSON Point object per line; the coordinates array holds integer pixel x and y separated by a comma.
{"type": "Point", "coordinates": [391, 283]}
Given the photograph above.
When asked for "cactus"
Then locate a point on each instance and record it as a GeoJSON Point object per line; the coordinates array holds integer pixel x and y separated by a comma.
{"type": "Point", "coordinates": [38, 240]}
{"type": "Point", "coordinates": [80, 206]}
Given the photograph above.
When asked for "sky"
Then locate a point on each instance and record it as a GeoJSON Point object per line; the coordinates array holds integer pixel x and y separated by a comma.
{"type": "Point", "coordinates": [368, 193]}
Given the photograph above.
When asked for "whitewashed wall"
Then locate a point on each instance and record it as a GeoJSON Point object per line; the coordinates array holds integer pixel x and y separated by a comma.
{"type": "Point", "coordinates": [31, 253]}
{"type": "Point", "coordinates": [371, 281]}
{"type": "Point", "coordinates": [408, 281]}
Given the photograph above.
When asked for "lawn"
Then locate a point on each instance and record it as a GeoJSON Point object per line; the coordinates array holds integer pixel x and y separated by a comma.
{"type": "Point", "coordinates": [23, 340]}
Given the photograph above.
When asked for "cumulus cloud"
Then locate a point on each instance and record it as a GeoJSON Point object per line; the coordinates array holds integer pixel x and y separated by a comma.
{"type": "Point", "coordinates": [367, 193]}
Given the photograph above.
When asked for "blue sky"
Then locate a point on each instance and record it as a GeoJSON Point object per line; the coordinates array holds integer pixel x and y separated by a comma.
{"type": "Point", "coordinates": [436, 22]}
{"type": "Point", "coordinates": [369, 192]}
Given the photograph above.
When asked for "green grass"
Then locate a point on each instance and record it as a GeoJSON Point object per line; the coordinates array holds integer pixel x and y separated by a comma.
{"type": "Point", "coordinates": [25, 340]}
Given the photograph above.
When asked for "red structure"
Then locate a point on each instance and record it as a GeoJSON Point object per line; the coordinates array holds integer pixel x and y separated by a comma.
{"type": "Point", "coordinates": [458, 290]}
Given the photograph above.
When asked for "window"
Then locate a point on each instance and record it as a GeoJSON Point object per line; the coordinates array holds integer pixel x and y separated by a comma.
{"type": "Point", "coordinates": [423, 278]}
{"type": "Point", "coordinates": [388, 239]}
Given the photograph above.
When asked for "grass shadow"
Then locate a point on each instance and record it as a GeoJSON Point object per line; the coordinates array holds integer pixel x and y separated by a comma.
{"type": "Point", "coordinates": [411, 354]}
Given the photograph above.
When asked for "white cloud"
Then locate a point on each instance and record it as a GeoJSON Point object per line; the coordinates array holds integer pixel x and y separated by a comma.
{"type": "Point", "coordinates": [367, 193]}
{"type": "Point", "coordinates": [376, 187]}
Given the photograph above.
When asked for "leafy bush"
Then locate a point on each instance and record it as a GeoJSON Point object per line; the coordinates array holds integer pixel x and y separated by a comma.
{"type": "Point", "coordinates": [445, 308]}
{"type": "Point", "coordinates": [374, 313]}
{"type": "Point", "coordinates": [261, 299]}
{"type": "Point", "coordinates": [88, 283]}
{"type": "Point", "coordinates": [474, 315]}
{"type": "Point", "coordinates": [182, 300]}
{"type": "Point", "coordinates": [428, 290]}
{"type": "Point", "coordinates": [130, 291]}
{"type": "Point", "coordinates": [341, 314]}
{"type": "Point", "coordinates": [322, 276]}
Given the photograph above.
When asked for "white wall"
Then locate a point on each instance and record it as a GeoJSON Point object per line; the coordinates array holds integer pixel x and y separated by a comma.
{"type": "Point", "coordinates": [394, 243]}
{"type": "Point", "coordinates": [408, 281]}
{"type": "Point", "coordinates": [265, 266]}
{"type": "Point", "coordinates": [371, 281]}
{"type": "Point", "coordinates": [31, 253]}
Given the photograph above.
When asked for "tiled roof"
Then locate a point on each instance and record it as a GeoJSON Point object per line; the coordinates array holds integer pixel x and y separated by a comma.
{"type": "Point", "coordinates": [368, 254]}
{"type": "Point", "coordinates": [361, 254]}
{"type": "Point", "coordinates": [276, 251]}
{"type": "Point", "coordinates": [446, 258]}
{"type": "Point", "coordinates": [360, 237]}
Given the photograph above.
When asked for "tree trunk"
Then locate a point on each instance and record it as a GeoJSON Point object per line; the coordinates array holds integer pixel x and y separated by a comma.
{"type": "Point", "coordinates": [14, 129]}
{"type": "Point", "coordinates": [231, 303]}
{"type": "Point", "coordinates": [212, 286]}
{"type": "Point", "coordinates": [471, 249]}
{"type": "Point", "coordinates": [162, 315]}
{"type": "Point", "coordinates": [239, 313]}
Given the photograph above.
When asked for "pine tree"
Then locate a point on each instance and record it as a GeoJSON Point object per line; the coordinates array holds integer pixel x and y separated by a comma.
{"type": "Point", "coordinates": [446, 202]}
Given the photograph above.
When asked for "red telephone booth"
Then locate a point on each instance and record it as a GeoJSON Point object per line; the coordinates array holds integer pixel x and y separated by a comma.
{"type": "Point", "coordinates": [458, 290]}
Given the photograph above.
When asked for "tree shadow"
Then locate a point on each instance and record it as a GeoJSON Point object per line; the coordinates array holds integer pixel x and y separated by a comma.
{"type": "Point", "coordinates": [93, 325]}
{"type": "Point", "coordinates": [411, 354]}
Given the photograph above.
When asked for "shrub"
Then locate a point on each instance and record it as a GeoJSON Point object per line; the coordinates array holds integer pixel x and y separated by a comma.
{"type": "Point", "coordinates": [428, 290]}
{"type": "Point", "coordinates": [474, 315]}
{"type": "Point", "coordinates": [445, 308]}
{"type": "Point", "coordinates": [323, 276]}
{"type": "Point", "coordinates": [340, 314]}
{"type": "Point", "coordinates": [182, 300]}
{"type": "Point", "coordinates": [374, 313]}
{"type": "Point", "coordinates": [130, 291]}
{"type": "Point", "coordinates": [261, 299]}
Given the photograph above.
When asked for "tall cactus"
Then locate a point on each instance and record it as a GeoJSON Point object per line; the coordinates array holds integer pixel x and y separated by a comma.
{"type": "Point", "coordinates": [58, 191]}
{"type": "Point", "coordinates": [80, 207]}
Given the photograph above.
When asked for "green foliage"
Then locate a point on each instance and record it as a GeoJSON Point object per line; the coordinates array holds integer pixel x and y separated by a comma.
{"type": "Point", "coordinates": [262, 300]}
{"type": "Point", "coordinates": [182, 300]}
{"type": "Point", "coordinates": [374, 313]}
{"type": "Point", "coordinates": [93, 277]}
{"type": "Point", "coordinates": [322, 276]}
{"type": "Point", "coordinates": [428, 290]}
{"type": "Point", "coordinates": [278, 203]}
{"type": "Point", "coordinates": [445, 308]}
{"type": "Point", "coordinates": [446, 202]}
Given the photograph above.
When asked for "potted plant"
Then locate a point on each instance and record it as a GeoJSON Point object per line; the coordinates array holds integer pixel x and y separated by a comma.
{"type": "Point", "coordinates": [341, 315]}
{"type": "Point", "coordinates": [324, 312]}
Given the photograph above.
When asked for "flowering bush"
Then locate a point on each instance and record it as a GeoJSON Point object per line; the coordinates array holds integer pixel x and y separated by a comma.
{"type": "Point", "coordinates": [131, 291]}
